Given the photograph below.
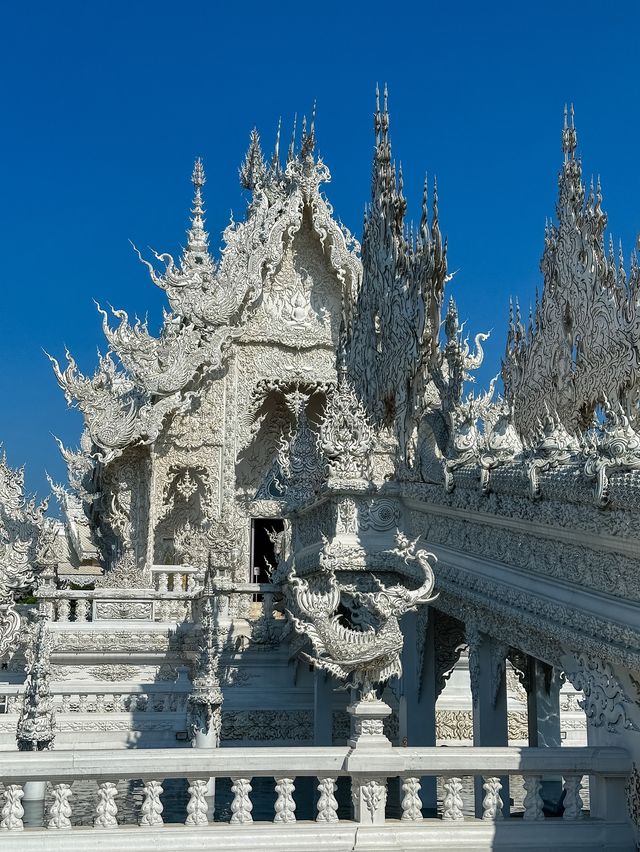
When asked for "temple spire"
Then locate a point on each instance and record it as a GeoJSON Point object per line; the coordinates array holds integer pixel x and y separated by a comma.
{"type": "Point", "coordinates": [197, 237]}
{"type": "Point", "coordinates": [569, 136]}
{"type": "Point", "coordinates": [253, 168]}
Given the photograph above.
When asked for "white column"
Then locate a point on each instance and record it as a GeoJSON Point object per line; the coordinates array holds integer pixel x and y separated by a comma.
{"type": "Point", "coordinates": [543, 716]}
{"type": "Point", "coordinates": [322, 708]}
{"type": "Point", "coordinates": [489, 692]}
{"type": "Point", "coordinates": [417, 703]}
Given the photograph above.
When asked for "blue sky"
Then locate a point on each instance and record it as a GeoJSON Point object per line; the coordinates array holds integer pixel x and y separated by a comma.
{"type": "Point", "coordinates": [106, 104]}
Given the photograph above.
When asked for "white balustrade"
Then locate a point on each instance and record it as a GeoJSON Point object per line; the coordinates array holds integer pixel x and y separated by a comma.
{"type": "Point", "coordinates": [285, 806]}
{"type": "Point", "coordinates": [152, 806]}
{"type": "Point", "coordinates": [573, 803]}
{"type": "Point", "coordinates": [533, 803]}
{"type": "Point", "coordinates": [241, 806]}
{"type": "Point", "coordinates": [368, 773]}
{"type": "Point", "coordinates": [327, 802]}
{"type": "Point", "coordinates": [106, 807]}
{"type": "Point", "coordinates": [197, 807]}
{"type": "Point", "coordinates": [411, 803]}
{"type": "Point", "coordinates": [452, 804]}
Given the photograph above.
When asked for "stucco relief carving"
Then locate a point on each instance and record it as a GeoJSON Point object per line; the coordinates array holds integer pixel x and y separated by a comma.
{"type": "Point", "coordinates": [265, 725]}
{"type": "Point", "coordinates": [605, 701]}
{"type": "Point", "coordinates": [612, 572]}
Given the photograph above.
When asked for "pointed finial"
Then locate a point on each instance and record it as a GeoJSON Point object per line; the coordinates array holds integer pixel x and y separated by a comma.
{"type": "Point", "coordinates": [197, 178]}
{"type": "Point", "coordinates": [313, 119]}
{"type": "Point", "coordinates": [569, 137]}
{"type": "Point", "coordinates": [292, 145]}
{"type": "Point", "coordinates": [620, 256]}
{"type": "Point", "coordinates": [197, 237]}
{"type": "Point", "coordinates": [425, 203]}
{"type": "Point", "coordinates": [253, 168]}
{"type": "Point", "coordinates": [434, 203]}
{"type": "Point", "coordinates": [275, 160]}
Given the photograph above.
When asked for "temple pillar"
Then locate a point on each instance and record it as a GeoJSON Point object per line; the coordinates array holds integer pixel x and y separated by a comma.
{"type": "Point", "coordinates": [487, 661]}
{"type": "Point", "coordinates": [322, 708]}
{"type": "Point", "coordinates": [543, 683]}
{"type": "Point", "coordinates": [417, 699]}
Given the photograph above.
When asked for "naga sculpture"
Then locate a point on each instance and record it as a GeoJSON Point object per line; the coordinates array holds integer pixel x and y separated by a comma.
{"type": "Point", "coordinates": [371, 655]}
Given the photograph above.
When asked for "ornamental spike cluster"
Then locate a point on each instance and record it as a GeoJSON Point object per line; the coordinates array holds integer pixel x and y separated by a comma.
{"type": "Point", "coordinates": [36, 723]}
{"type": "Point", "coordinates": [392, 334]}
{"type": "Point", "coordinates": [582, 344]}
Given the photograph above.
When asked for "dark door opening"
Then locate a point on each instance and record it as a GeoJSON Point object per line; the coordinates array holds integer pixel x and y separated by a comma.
{"type": "Point", "coordinates": [264, 545]}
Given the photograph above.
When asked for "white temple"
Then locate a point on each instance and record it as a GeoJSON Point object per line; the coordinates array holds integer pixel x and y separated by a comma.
{"type": "Point", "coordinates": [294, 545]}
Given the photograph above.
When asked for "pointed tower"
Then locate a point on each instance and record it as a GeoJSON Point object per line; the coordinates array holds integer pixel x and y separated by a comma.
{"type": "Point", "coordinates": [392, 340]}
{"type": "Point", "coordinates": [197, 250]}
{"type": "Point", "coordinates": [581, 344]}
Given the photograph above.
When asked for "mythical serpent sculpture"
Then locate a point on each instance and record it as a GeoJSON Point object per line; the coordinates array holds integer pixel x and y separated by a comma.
{"type": "Point", "coordinates": [367, 656]}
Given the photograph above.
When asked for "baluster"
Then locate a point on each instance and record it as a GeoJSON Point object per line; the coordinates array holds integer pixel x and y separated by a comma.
{"type": "Point", "coordinates": [60, 809]}
{"type": "Point", "coordinates": [12, 810]}
{"type": "Point", "coordinates": [82, 702]}
{"type": "Point", "coordinates": [152, 806]}
{"type": "Point", "coordinates": [191, 582]}
{"type": "Point", "coordinates": [492, 802]}
{"type": "Point", "coordinates": [285, 805]}
{"type": "Point", "coordinates": [99, 702]}
{"type": "Point", "coordinates": [327, 803]}
{"type": "Point", "coordinates": [573, 803]}
{"type": "Point", "coordinates": [163, 582]}
{"type": "Point", "coordinates": [106, 807]}
{"type": "Point", "coordinates": [452, 804]}
{"type": "Point", "coordinates": [533, 803]}
{"type": "Point", "coordinates": [82, 609]}
{"type": "Point", "coordinates": [411, 801]}
{"type": "Point", "coordinates": [241, 806]}
{"type": "Point", "coordinates": [64, 608]}
{"type": "Point", "coordinates": [197, 807]}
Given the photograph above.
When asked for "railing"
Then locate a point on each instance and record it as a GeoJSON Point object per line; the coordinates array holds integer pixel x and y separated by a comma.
{"type": "Point", "coordinates": [168, 600]}
{"type": "Point", "coordinates": [112, 697]}
{"type": "Point", "coordinates": [175, 578]}
{"type": "Point", "coordinates": [369, 772]}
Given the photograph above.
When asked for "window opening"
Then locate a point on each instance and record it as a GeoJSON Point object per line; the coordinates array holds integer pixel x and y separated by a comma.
{"type": "Point", "coordinates": [264, 543]}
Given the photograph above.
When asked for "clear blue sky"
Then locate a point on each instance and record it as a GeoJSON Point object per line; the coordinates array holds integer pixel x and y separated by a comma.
{"type": "Point", "coordinates": [105, 105]}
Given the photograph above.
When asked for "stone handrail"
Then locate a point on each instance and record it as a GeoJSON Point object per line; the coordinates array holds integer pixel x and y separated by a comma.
{"type": "Point", "coordinates": [162, 603]}
{"type": "Point", "coordinates": [369, 771]}
{"type": "Point", "coordinates": [73, 764]}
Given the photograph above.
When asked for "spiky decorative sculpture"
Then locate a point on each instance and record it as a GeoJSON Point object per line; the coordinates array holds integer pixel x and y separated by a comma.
{"type": "Point", "coordinates": [36, 724]}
